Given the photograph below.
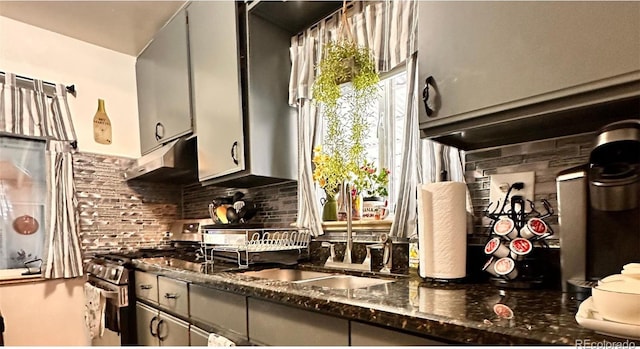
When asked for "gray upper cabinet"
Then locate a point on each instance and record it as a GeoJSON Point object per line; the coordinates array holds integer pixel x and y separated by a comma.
{"type": "Point", "coordinates": [162, 76]}
{"type": "Point", "coordinates": [489, 57]}
{"type": "Point", "coordinates": [216, 85]}
{"type": "Point", "coordinates": [246, 131]}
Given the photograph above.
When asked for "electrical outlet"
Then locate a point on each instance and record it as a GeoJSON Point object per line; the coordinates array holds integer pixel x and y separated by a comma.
{"type": "Point", "coordinates": [500, 184]}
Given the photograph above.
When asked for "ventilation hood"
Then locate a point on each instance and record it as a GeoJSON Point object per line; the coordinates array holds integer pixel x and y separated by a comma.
{"type": "Point", "coordinates": [174, 162]}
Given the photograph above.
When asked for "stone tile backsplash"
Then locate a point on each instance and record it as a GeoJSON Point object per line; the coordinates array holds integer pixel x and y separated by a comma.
{"type": "Point", "coordinates": [277, 203]}
{"type": "Point", "coordinates": [546, 158]}
{"type": "Point", "coordinates": [118, 215]}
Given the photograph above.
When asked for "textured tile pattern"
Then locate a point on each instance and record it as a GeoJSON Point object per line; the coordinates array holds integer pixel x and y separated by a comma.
{"type": "Point", "coordinates": [546, 158]}
{"type": "Point", "coordinates": [118, 215]}
{"type": "Point", "coordinates": [277, 204]}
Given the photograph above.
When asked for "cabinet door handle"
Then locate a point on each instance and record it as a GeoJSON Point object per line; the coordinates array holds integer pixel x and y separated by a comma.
{"type": "Point", "coordinates": [155, 318]}
{"type": "Point", "coordinates": [146, 287]}
{"type": "Point", "coordinates": [159, 131]}
{"type": "Point", "coordinates": [160, 337]}
{"type": "Point", "coordinates": [428, 105]}
{"type": "Point", "coordinates": [171, 295]}
{"type": "Point", "coordinates": [234, 152]}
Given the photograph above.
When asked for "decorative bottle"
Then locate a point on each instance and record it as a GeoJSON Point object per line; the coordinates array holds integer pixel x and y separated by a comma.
{"type": "Point", "coordinates": [101, 125]}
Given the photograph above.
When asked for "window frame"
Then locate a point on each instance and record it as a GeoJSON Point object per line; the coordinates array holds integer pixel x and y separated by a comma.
{"type": "Point", "coordinates": [17, 274]}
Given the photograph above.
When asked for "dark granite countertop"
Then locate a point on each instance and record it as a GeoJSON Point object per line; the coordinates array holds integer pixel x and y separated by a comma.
{"type": "Point", "coordinates": [462, 313]}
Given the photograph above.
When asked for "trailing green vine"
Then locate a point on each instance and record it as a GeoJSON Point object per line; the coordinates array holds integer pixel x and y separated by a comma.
{"type": "Point", "coordinates": [345, 109]}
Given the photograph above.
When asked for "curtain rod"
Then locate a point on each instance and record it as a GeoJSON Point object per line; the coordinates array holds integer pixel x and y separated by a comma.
{"type": "Point", "coordinates": [70, 88]}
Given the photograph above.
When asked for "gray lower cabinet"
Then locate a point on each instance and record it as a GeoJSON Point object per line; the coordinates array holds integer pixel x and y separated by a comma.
{"type": "Point", "coordinates": [219, 309]}
{"type": "Point", "coordinates": [280, 325]}
{"type": "Point", "coordinates": [146, 322]}
{"type": "Point", "coordinates": [157, 328]}
{"type": "Point", "coordinates": [198, 337]}
{"type": "Point", "coordinates": [172, 331]}
{"type": "Point", "coordinates": [369, 335]}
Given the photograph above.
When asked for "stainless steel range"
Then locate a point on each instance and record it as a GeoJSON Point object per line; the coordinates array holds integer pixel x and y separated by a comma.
{"type": "Point", "coordinates": [110, 273]}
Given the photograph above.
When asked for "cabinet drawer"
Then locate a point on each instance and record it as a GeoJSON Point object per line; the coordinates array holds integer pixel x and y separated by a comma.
{"type": "Point", "coordinates": [218, 308]}
{"type": "Point", "coordinates": [369, 335]}
{"type": "Point", "coordinates": [279, 325]}
{"type": "Point", "coordinates": [147, 286]}
{"type": "Point", "coordinates": [173, 295]}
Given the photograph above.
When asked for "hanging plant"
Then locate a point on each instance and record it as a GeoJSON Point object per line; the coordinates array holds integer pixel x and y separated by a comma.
{"type": "Point", "coordinates": [345, 62]}
{"type": "Point", "coordinates": [345, 109]}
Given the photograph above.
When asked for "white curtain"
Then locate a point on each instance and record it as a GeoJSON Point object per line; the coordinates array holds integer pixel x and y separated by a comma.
{"type": "Point", "coordinates": [405, 220]}
{"type": "Point", "coordinates": [32, 112]}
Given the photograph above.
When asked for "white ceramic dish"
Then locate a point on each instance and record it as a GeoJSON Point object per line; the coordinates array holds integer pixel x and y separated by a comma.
{"type": "Point", "coordinates": [589, 318]}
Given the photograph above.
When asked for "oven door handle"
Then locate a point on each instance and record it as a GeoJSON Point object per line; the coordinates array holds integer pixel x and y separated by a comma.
{"type": "Point", "coordinates": [155, 318]}
{"type": "Point", "coordinates": [159, 329]}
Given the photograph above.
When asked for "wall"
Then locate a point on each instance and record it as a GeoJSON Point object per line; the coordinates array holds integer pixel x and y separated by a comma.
{"type": "Point", "coordinates": [118, 215]}
{"type": "Point", "coordinates": [55, 308]}
{"type": "Point", "coordinates": [44, 313]}
{"type": "Point", "coordinates": [546, 158]}
{"type": "Point", "coordinates": [96, 72]}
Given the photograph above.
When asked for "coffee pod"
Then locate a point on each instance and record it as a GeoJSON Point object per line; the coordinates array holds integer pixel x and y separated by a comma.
{"type": "Point", "coordinates": [520, 247]}
{"type": "Point", "coordinates": [496, 248]}
{"type": "Point", "coordinates": [506, 268]}
{"type": "Point", "coordinates": [505, 227]}
{"type": "Point", "coordinates": [489, 266]}
{"type": "Point", "coordinates": [503, 311]}
{"type": "Point", "coordinates": [535, 228]}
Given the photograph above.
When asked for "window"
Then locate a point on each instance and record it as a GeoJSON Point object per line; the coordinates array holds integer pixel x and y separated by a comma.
{"type": "Point", "coordinates": [383, 146]}
{"type": "Point", "coordinates": [22, 200]}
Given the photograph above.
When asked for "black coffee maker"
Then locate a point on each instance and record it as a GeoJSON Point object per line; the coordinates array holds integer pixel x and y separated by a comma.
{"type": "Point", "coordinates": [599, 209]}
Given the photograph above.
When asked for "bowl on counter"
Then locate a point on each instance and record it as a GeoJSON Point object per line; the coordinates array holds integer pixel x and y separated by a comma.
{"type": "Point", "coordinates": [617, 298]}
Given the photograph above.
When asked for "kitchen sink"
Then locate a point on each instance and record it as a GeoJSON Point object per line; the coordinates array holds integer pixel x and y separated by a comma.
{"type": "Point", "coordinates": [287, 274]}
{"type": "Point", "coordinates": [345, 282]}
{"type": "Point", "coordinates": [317, 278]}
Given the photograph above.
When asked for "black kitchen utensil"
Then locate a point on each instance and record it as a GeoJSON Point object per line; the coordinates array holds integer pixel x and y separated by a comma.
{"type": "Point", "coordinates": [232, 215]}
{"type": "Point", "coordinates": [237, 196]}
{"type": "Point", "coordinates": [248, 211]}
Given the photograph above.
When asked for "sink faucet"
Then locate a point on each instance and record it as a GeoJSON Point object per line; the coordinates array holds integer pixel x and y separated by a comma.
{"type": "Point", "coordinates": [349, 203]}
{"type": "Point", "coordinates": [347, 261]}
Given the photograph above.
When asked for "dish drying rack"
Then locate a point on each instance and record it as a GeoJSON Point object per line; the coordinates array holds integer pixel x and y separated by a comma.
{"type": "Point", "coordinates": [253, 245]}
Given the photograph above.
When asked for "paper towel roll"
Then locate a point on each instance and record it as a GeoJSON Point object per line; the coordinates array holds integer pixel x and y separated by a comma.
{"type": "Point", "coordinates": [442, 230]}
